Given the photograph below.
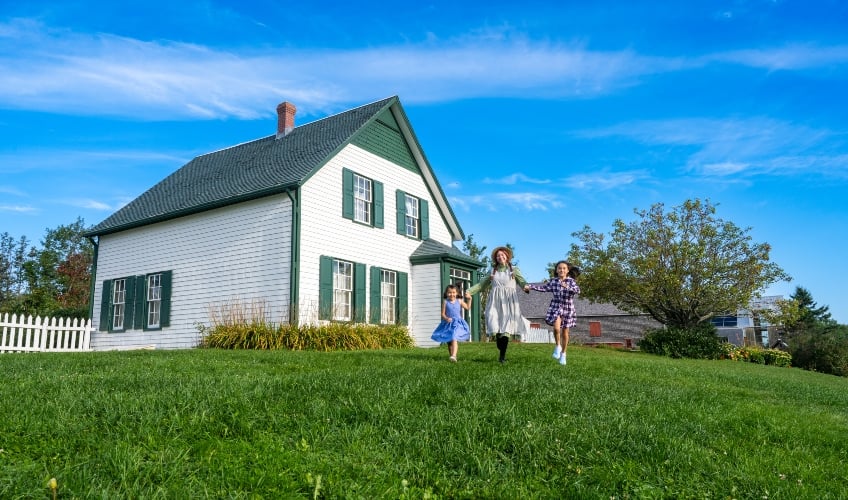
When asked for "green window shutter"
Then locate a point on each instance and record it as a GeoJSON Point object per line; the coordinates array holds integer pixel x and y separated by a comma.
{"type": "Point", "coordinates": [139, 310]}
{"type": "Point", "coordinates": [376, 281]}
{"type": "Point", "coordinates": [325, 288]}
{"type": "Point", "coordinates": [400, 197]}
{"type": "Point", "coordinates": [165, 310]}
{"type": "Point", "coordinates": [359, 293]}
{"type": "Point", "coordinates": [129, 303]}
{"type": "Point", "coordinates": [424, 219]}
{"type": "Point", "coordinates": [378, 203]}
{"type": "Point", "coordinates": [403, 298]}
{"type": "Point", "coordinates": [106, 306]}
{"type": "Point", "coordinates": [347, 194]}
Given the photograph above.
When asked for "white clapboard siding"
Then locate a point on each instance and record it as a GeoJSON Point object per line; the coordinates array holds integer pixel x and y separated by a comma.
{"type": "Point", "coordinates": [20, 334]}
{"type": "Point", "coordinates": [426, 310]}
{"type": "Point", "coordinates": [240, 253]}
{"type": "Point", "coordinates": [325, 232]}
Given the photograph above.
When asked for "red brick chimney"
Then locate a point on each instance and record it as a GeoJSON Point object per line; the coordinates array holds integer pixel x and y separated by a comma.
{"type": "Point", "coordinates": [285, 118]}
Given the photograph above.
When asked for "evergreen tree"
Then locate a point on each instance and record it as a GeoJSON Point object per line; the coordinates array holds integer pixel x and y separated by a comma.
{"type": "Point", "coordinates": [810, 313]}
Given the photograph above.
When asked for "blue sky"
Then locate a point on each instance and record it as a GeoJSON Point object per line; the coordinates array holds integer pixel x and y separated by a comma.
{"type": "Point", "coordinates": [537, 117]}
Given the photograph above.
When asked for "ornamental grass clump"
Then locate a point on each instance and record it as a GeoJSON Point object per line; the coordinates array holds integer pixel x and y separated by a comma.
{"type": "Point", "coordinates": [236, 325]}
{"type": "Point", "coordinates": [331, 337]}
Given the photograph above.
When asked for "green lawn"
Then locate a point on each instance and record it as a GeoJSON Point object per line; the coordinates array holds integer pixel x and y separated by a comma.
{"type": "Point", "coordinates": [409, 424]}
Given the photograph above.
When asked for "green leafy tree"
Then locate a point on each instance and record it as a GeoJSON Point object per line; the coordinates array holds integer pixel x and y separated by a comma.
{"type": "Point", "coordinates": [59, 274]}
{"type": "Point", "coordinates": [785, 314]}
{"type": "Point", "coordinates": [475, 251]}
{"type": "Point", "coordinates": [822, 347]}
{"type": "Point", "coordinates": [681, 266]}
{"type": "Point", "coordinates": [13, 256]}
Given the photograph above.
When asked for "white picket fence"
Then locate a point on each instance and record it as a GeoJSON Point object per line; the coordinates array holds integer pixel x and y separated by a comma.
{"type": "Point", "coordinates": [19, 334]}
{"type": "Point", "coordinates": [538, 336]}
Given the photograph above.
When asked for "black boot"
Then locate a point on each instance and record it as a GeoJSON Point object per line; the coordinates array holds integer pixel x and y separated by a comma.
{"type": "Point", "coordinates": [503, 343]}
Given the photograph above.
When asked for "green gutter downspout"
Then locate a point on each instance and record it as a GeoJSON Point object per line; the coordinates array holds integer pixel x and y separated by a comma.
{"type": "Point", "coordinates": [294, 271]}
{"type": "Point", "coordinates": [91, 286]}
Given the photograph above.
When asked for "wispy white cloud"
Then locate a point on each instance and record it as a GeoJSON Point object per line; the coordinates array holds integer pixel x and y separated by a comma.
{"type": "Point", "coordinates": [531, 201]}
{"type": "Point", "coordinates": [106, 74]}
{"type": "Point", "coordinates": [604, 179]}
{"type": "Point", "coordinates": [725, 168]}
{"type": "Point", "coordinates": [92, 204]}
{"type": "Point", "coordinates": [740, 147]}
{"type": "Point", "coordinates": [515, 179]}
{"type": "Point", "coordinates": [513, 201]}
{"type": "Point", "coordinates": [789, 57]}
{"type": "Point", "coordinates": [20, 209]}
{"type": "Point", "coordinates": [70, 159]}
{"type": "Point", "coordinates": [13, 191]}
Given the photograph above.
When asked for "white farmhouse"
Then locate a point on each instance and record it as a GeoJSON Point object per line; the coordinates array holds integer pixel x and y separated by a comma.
{"type": "Point", "coordinates": [340, 219]}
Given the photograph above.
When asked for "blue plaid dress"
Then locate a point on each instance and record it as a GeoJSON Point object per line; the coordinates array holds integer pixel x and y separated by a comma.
{"type": "Point", "coordinates": [562, 304]}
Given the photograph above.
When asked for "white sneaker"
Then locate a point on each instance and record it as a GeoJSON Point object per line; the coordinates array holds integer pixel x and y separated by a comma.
{"type": "Point", "coordinates": [562, 359]}
{"type": "Point", "coordinates": [557, 352]}
{"type": "Point", "coordinates": [452, 359]}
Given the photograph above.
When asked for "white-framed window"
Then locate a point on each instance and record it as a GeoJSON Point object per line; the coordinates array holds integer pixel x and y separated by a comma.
{"type": "Point", "coordinates": [363, 199]}
{"type": "Point", "coordinates": [342, 290]}
{"type": "Point", "coordinates": [461, 278]}
{"type": "Point", "coordinates": [154, 300]}
{"type": "Point", "coordinates": [136, 302]}
{"type": "Point", "coordinates": [119, 298]}
{"type": "Point", "coordinates": [412, 217]}
{"type": "Point", "coordinates": [388, 297]}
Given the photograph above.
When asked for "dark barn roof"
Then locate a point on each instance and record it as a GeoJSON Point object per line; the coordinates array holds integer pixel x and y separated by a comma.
{"type": "Point", "coordinates": [535, 305]}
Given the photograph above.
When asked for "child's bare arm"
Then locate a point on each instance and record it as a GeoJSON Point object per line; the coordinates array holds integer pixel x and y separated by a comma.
{"type": "Point", "coordinates": [467, 305]}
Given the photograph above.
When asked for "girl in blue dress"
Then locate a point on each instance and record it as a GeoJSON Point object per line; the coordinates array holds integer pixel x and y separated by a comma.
{"type": "Point", "coordinates": [453, 328]}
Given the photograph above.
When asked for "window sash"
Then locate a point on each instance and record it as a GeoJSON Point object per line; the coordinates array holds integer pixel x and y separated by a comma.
{"type": "Point", "coordinates": [460, 278]}
{"type": "Point", "coordinates": [362, 195]}
{"type": "Point", "coordinates": [154, 300]}
{"type": "Point", "coordinates": [388, 297]}
{"type": "Point", "coordinates": [342, 290]}
{"type": "Point", "coordinates": [412, 216]}
{"type": "Point", "coordinates": [119, 297]}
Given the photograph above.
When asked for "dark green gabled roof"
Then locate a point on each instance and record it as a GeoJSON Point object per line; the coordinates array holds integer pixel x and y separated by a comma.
{"type": "Point", "coordinates": [430, 251]}
{"type": "Point", "coordinates": [244, 172]}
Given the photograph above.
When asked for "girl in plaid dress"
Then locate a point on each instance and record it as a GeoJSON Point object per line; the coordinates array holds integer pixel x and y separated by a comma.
{"type": "Point", "coordinates": [561, 313]}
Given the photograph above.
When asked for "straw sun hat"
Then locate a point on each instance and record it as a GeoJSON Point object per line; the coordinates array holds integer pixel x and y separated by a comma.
{"type": "Point", "coordinates": [505, 250]}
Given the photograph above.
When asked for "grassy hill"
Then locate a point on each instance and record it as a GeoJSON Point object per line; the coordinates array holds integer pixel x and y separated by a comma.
{"type": "Point", "coordinates": [409, 424]}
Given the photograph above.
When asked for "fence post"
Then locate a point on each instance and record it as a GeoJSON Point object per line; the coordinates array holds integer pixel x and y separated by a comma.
{"type": "Point", "coordinates": [86, 342]}
{"type": "Point", "coordinates": [42, 325]}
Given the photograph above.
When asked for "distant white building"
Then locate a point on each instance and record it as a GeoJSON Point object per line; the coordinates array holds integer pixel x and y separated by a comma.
{"type": "Point", "coordinates": [747, 326]}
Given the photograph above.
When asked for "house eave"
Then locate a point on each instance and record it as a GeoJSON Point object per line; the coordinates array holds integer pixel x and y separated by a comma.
{"type": "Point", "coordinates": [192, 210]}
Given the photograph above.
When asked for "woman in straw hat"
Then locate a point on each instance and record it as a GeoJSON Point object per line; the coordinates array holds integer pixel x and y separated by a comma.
{"type": "Point", "coordinates": [503, 313]}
